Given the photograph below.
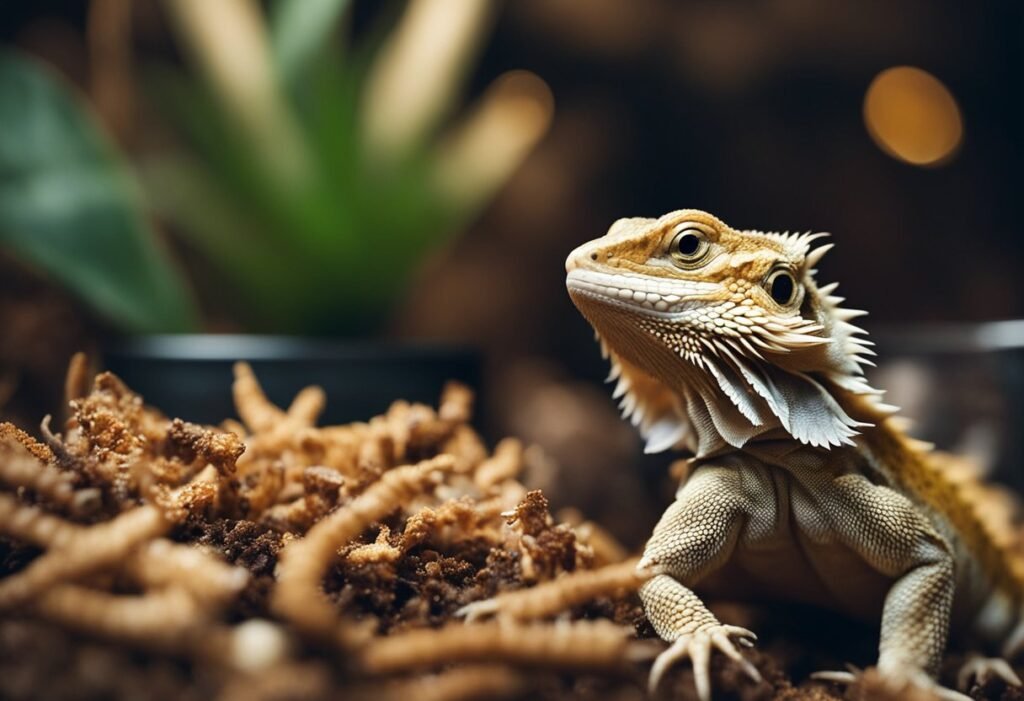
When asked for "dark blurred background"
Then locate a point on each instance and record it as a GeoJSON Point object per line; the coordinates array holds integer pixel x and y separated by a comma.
{"type": "Point", "coordinates": [756, 111]}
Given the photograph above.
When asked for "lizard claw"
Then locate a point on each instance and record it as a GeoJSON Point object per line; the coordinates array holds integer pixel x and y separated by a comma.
{"type": "Point", "coordinates": [698, 646]}
{"type": "Point", "coordinates": [837, 676]}
{"type": "Point", "coordinates": [981, 668]}
{"type": "Point", "coordinates": [896, 681]}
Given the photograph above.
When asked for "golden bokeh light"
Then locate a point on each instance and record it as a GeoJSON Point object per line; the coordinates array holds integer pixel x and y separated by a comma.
{"type": "Point", "coordinates": [912, 116]}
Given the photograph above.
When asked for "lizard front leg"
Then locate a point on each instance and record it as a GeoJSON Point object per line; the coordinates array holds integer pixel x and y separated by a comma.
{"type": "Point", "coordinates": [885, 529]}
{"type": "Point", "coordinates": [698, 533]}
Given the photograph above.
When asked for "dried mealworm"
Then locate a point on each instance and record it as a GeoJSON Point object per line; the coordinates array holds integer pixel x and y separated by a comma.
{"type": "Point", "coordinates": [257, 489]}
{"type": "Point", "coordinates": [376, 454]}
{"type": "Point", "coordinates": [606, 547]}
{"type": "Point", "coordinates": [26, 463]}
{"type": "Point", "coordinates": [304, 561]}
{"type": "Point", "coordinates": [456, 403]}
{"type": "Point", "coordinates": [157, 619]}
{"type": "Point", "coordinates": [560, 594]}
{"type": "Point", "coordinates": [295, 516]}
{"type": "Point", "coordinates": [78, 378]}
{"type": "Point", "coordinates": [280, 433]}
{"type": "Point", "coordinates": [62, 456]}
{"type": "Point", "coordinates": [12, 435]}
{"type": "Point", "coordinates": [157, 563]}
{"type": "Point", "coordinates": [306, 407]}
{"type": "Point", "coordinates": [235, 427]}
{"type": "Point", "coordinates": [336, 447]}
{"type": "Point", "coordinates": [471, 682]}
{"type": "Point", "coordinates": [325, 481]}
{"type": "Point", "coordinates": [424, 428]}
{"type": "Point", "coordinates": [31, 524]}
{"type": "Point", "coordinates": [256, 411]}
{"type": "Point", "coordinates": [162, 563]}
{"type": "Point", "coordinates": [91, 549]}
{"type": "Point", "coordinates": [594, 645]}
{"type": "Point", "coordinates": [195, 443]}
{"type": "Point", "coordinates": [292, 681]}
{"type": "Point", "coordinates": [509, 494]}
{"type": "Point", "coordinates": [467, 447]}
{"type": "Point", "coordinates": [506, 463]}
{"type": "Point", "coordinates": [380, 550]}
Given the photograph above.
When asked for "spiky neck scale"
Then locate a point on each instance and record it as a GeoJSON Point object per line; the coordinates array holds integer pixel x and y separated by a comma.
{"type": "Point", "coordinates": [719, 337]}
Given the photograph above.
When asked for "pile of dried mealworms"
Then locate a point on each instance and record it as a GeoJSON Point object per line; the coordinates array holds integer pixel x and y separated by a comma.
{"type": "Point", "coordinates": [272, 558]}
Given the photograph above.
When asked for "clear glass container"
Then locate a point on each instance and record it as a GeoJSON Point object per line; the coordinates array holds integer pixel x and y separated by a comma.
{"type": "Point", "coordinates": [962, 385]}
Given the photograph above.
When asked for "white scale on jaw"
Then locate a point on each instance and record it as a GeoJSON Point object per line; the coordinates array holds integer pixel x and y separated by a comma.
{"type": "Point", "coordinates": [657, 295]}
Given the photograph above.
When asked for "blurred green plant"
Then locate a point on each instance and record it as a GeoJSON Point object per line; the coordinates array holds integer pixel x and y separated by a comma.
{"type": "Point", "coordinates": [319, 175]}
{"type": "Point", "coordinates": [69, 207]}
{"type": "Point", "coordinates": [314, 176]}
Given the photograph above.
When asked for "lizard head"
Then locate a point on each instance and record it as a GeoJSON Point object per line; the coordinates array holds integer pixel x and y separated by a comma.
{"type": "Point", "coordinates": [730, 323]}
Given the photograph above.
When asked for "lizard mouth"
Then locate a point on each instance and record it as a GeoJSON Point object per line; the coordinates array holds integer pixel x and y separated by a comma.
{"type": "Point", "coordinates": [654, 297]}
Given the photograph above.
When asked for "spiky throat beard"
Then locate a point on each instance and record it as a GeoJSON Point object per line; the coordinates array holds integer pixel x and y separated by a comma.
{"type": "Point", "coordinates": [705, 375]}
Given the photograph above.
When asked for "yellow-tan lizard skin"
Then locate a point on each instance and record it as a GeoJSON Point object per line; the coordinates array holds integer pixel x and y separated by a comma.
{"type": "Point", "coordinates": [801, 485]}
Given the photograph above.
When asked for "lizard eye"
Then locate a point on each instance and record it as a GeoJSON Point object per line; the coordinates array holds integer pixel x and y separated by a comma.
{"type": "Point", "coordinates": [689, 247]}
{"type": "Point", "coordinates": [781, 285]}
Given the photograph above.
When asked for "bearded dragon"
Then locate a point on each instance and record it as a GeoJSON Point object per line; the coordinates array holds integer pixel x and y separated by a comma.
{"type": "Point", "coordinates": [802, 483]}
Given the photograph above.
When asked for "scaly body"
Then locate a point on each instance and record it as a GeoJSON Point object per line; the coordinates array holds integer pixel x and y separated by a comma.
{"type": "Point", "coordinates": [802, 484]}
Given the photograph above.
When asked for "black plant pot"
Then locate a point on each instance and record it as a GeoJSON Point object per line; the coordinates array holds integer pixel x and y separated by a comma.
{"type": "Point", "coordinates": [189, 376]}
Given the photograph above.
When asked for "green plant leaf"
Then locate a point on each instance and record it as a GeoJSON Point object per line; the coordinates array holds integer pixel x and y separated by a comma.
{"type": "Point", "coordinates": [259, 271]}
{"type": "Point", "coordinates": [299, 29]}
{"type": "Point", "coordinates": [69, 206]}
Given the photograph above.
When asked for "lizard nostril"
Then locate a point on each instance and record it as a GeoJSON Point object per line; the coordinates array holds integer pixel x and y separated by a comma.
{"type": "Point", "coordinates": [593, 256]}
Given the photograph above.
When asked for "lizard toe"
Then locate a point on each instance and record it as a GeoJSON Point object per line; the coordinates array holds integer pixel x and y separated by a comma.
{"type": "Point", "coordinates": [836, 676]}
{"type": "Point", "coordinates": [700, 656]}
{"type": "Point", "coordinates": [698, 647]}
{"type": "Point", "coordinates": [980, 669]}
{"type": "Point", "coordinates": [678, 650]}
{"type": "Point", "coordinates": [721, 641]}
{"type": "Point", "coordinates": [949, 694]}
{"type": "Point", "coordinates": [745, 637]}
{"type": "Point", "coordinates": [1014, 642]}
{"type": "Point", "coordinates": [896, 681]}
